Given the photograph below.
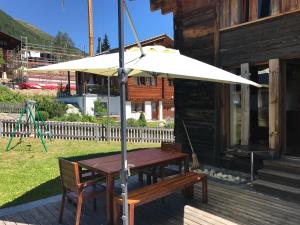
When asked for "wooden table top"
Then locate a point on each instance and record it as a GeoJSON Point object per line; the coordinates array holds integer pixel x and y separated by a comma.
{"type": "Point", "coordinates": [136, 159]}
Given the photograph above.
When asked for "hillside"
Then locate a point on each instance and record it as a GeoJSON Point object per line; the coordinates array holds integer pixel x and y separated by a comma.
{"type": "Point", "coordinates": [18, 28]}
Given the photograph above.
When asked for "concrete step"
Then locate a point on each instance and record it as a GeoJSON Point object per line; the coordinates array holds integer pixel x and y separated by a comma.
{"type": "Point", "coordinates": [279, 177]}
{"type": "Point", "coordinates": [290, 166]}
{"type": "Point", "coordinates": [281, 191]}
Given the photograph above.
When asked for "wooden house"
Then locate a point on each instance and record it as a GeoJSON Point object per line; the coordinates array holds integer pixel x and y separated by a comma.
{"type": "Point", "coordinates": [151, 95]}
{"type": "Point", "coordinates": [7, 44]}
{"type": "Point", "coordinates": [259, 40]}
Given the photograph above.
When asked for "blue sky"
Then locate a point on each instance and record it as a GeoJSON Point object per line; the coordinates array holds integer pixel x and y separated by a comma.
{"type": "Point", "coordinates": [49, 16]}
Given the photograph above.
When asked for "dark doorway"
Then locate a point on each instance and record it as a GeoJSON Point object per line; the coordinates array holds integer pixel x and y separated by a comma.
{"type": "Point", "coordinates": [293, 108]}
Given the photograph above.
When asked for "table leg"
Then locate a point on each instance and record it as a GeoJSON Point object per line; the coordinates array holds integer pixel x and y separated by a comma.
{"type": "Point", "coordinates": [109, 198]}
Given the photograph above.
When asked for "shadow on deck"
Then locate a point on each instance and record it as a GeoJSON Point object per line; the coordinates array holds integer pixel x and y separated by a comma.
{"type": "Point", "coordinates": [227, 205]}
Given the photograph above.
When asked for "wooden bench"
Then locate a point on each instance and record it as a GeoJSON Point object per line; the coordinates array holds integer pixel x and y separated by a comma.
{"type": "Point", "coordinates": [184, 182]}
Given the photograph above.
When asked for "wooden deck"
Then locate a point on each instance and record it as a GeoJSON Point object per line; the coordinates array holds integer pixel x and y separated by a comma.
{"type": "Point", "coordinates": [227, 205]}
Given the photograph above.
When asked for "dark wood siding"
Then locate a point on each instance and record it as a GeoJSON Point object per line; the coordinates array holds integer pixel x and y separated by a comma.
{"type": "Point", "coordinates": [278, 37]}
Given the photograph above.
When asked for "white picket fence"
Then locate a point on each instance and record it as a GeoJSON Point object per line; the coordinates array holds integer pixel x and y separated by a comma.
{"type": "Point", "coordinates": [89, 131]}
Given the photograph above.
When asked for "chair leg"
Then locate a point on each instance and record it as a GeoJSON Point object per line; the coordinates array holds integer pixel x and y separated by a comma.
{"type": "Point", "coordinates": [62, 206]}
{"type": "Point", "coordinates": [204, 190]}
{"type": "Point", "coordinates": [131, 214]}
{"type": "Point", "coordinates": [78, 209]}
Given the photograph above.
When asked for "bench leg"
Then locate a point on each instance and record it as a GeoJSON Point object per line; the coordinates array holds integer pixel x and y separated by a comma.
{"type": "Point", "coordinates": [204, 190]}
{"type": "Point", "coordinates": [131, 214]}
{"type": "Point", "coordinates": [189, 192]}
{"type": "Point", "coordinates": [116, 218]}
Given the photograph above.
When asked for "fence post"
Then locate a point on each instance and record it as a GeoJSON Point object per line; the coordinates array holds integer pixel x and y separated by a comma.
{"type": "Point", "coordinates": [1, 128]}
{"type": "Point", "coordinates": [97, 136]}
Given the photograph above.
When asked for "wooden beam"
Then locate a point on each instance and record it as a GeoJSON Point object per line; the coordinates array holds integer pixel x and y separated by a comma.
{"type": "Point", "coordinates": [236, 12]}
{"type": "Point", "coordinates": [168, 6]}
{"type": "Point", "coordinates": [275, 7]}
{"type": "Point", "coordinates": [155, 5]}
{"type": "Point", "coordinates": [274, 103]}
{"type": "Point", "coordinates": [253, 10]}
{"type": "Point", "coordinates": [245, 102]}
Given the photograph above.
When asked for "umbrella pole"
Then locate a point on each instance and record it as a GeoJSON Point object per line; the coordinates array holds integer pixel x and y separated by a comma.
{"type": "Point", "coordinates": [123, 80]}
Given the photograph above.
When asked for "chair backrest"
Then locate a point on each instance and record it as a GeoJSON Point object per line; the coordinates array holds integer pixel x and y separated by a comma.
{"type": "Point", "coordinates": [69, 174]}
{"type": "Point", "coordinates": [167, 146]}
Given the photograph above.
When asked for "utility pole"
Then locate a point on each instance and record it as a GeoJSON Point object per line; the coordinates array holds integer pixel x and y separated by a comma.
{"type": "Point", "coordinates": [91, 32]}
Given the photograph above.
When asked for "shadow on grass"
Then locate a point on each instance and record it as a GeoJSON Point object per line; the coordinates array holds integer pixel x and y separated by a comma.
{"type": "Point", "coordinates": [51, 187]}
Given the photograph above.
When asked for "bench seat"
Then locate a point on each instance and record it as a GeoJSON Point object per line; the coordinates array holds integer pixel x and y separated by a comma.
{"type": "Point", "coordinates": [184, 182]}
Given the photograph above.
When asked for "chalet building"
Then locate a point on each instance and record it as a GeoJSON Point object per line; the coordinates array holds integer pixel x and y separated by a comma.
{"type": "Point", "coordinates": [151, 95]}
{"type": "Point", "coordinates": [259, 40]}
{"type": "Point", "coordinates": [7, 44]}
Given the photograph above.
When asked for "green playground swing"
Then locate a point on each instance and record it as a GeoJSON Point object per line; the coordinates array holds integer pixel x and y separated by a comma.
{"type": "Point", "coordinates": [31, 124]}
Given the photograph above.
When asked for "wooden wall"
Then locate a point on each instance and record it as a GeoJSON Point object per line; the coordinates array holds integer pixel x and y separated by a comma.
{"type": "Point", "coordinates": [225, 33]}
{"type": "Point", "coordinates": [274, 38]}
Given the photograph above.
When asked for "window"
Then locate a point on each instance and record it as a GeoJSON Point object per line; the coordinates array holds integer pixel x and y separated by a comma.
{"type": "Point", "coordinates": [170, 83]}
{"type": "Point", "coordinates": [145, 81]}
{"type": "Point", "coordinates": [137, 107]}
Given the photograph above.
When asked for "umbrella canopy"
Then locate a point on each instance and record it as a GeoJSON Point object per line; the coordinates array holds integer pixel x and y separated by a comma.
{"type": "Point", "coordinates": [157, 60]}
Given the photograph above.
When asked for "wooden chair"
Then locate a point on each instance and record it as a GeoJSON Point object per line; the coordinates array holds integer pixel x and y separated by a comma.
{"type": "Point", "coordinates": [75, 189]}
{"type": "Point", "coordinates": [162, 172]}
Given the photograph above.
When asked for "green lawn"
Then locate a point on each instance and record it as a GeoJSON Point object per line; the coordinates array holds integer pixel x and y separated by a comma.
{"type": "Point", "coordinates": [27, 173]}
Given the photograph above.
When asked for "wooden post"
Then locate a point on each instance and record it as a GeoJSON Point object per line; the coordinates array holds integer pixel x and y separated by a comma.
{"type": "Point", "coordinates": [274, 104]}
{"type": "Point", "coordinates": [245, 102]}
{"type": "Point", "coordinates": [253, 10]}
{"type": "Point", "coordinates": [236, 12]}
{"type": "Point", "coordinates": [275, 7]}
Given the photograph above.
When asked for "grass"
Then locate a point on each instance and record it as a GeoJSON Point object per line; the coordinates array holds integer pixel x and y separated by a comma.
{"type": "Point", "coordinates": [27, 173]}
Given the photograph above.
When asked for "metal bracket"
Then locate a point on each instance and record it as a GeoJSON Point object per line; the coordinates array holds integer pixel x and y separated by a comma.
{"type": "Point", "coordinates": [123, 77]}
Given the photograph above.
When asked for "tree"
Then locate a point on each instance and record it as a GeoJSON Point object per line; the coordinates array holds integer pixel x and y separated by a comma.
{"type": "Point", "coordinates": [62, 39]}
{"type": "Point", "coordinates": [1, 57]}
{"type": "Point", "coordinates": [99, 47]}
{"type": "Point", "coordinates": [105, 44]}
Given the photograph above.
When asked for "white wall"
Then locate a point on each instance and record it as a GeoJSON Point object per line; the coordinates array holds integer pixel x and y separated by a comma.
{"type": "Point", "coordinates": [86, 103]}
{"type": "Point", "coordinates": [148, 110]}
{"type": "Point", "coordinates": [160, 111]}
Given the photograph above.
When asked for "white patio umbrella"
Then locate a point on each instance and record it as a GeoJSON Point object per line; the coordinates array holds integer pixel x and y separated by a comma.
{"type": "Point", "coordinates": [157, 60]}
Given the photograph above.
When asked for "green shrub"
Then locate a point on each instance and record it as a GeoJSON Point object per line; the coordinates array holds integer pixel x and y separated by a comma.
{"type": "Point", "coordinates": [88, 119]}
{"type": "Point", "coordinates": [142, 120]}
{"type": "Point", "coordinates": [132, 123]}
{"type": "Point", "coordinates": [43, 114]}
{"type": "Point", "coordinates": [169, 124]}
{"type": "Point", "coordinates": [107, 121]}
{"type": "Point", "coordinates": [100, 108]}
{"type": "Point", "coordinates": [72, 117]}
{"type": "Point", "coordinates": [9, 96]}
{"type": "Point", "coordinates": [50, 105]}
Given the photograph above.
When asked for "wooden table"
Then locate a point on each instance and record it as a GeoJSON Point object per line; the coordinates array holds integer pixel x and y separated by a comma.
{"type": "Point", "coordinates": [110, 167]}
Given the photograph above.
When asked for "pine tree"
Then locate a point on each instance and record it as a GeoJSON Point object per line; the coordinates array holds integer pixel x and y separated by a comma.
{"type": "Point", "coordinates": [105, 43]}
{"type": "Point", "coordinates": [99, 47]}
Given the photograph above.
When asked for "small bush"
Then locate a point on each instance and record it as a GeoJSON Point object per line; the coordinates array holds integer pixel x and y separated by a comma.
{"type": "Point", "coordinates": [100, 108]}
{"type": "Point", "coordinates": [132, 123]}
{"type": "Point", "coordinates": [9, 96]}
{"type": "Point", "coordinates": [43, 114]}
{"type": "Point", "coordinates": [169, 124]}
{"type": "Point", "coordinates": [50, 105]}
{"type": "Point", "coordinates": [142, 120]}
{"type": "Point", "coordinates": [88, 119]}
{"type": "Point", "coordinates": [107, 121]}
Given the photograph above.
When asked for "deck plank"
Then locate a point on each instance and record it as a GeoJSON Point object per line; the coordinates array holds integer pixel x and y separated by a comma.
{"type": "Point", "coordinates": [227, 205]}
